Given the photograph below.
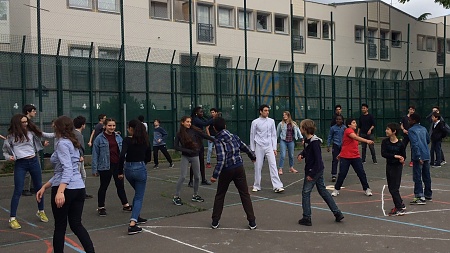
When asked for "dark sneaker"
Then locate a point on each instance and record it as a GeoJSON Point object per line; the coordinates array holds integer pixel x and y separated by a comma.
{"type": "Point", "coordinates": [190, 184]}
{"type": "Point", "coordinates": [428, 198]}
{"type": "Point", "coordinates": [132, 230]}
{"type": "Point", "coordinates": [333, 179]}
{"type": "Point", "coordinates": [215, 224]}
{"type": "Point", "coordinates": [101, 212]}
{"type": "Point", "coordinates": [305, 222]}
{"type": "Point", "coordinates": [171, 165]}
{"type": "Point", "coordinates": [252, 225]}
{"type": "Point", "coordinates": [396, 212]}
{"type": "Point", "coordinates": [403, 207]}
{"type": "Point", "coordinates": [338, 217]}
{"type": "Point", "coordinates": [155, 167]}
{"type": "Point", "coordinates": [127, 208]}
{"type": "Point", "coordinates": [197, 198]}
{"type": "Point", "coordinates": [177, 201]}
{"type": "Point", "coordinates": [418, 201]}
{"type": "Point", "coordinates": [206, 182]}
{"type": "Point", "coordinates": [88, 196]}
{"type": "Point", "coordinates": [141, 220]}
{"type": "Point", "coordinates": [26, 193]}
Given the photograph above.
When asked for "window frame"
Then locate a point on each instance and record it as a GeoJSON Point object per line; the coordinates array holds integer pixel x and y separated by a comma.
{"type": "Point", "coordinates": [361, 29]}
{"type": "Point", "coordinates": [285, 20]}
{"type": "Point", "coordinates": [331, 25]}
{"type": "Point", "coordinates": [301, 32]}
{"type": "Point", "coordinates": [80, 47]}
{"type": "Point", "coordinates": [168, 6]}
{"type": "Point", "coordinates": [91, 7]}
{"type": "Point", "coordinates": [268, 17]}
{"type": "Point", "coordinates": [108, 49]}
{"type": "Point", "coordinates": [424, 45]}
{"type": "Point", "coordinates": [231, 13]}
{"type": "Point", "coordinates": [397, 40]}
{"type": "Point", "coordinates": [318, 30]}
{"type": "Point", "coordinates": [433, 45]}
{"type": "Point", "coordinates": [115, 11]}
{"type": "Point", "coordinates": [250, 23]}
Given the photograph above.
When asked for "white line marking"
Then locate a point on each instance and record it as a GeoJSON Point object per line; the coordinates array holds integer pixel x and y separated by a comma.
{"type": "Point", "coordinates": [178, 241]}
{"type": "Point", "coordinates": [293, 183]}
{"type": "Point", "coordinates": [427, 211]}
{"type": "Point", "coordinates": [382, 200]}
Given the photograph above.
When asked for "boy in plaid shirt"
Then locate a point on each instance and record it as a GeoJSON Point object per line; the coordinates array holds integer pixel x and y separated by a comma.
{"type": "Point", "coordinates": [230, 168]}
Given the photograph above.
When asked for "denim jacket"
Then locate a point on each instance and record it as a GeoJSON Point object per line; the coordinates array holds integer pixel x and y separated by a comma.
{"type": "Point", "coordinates": [100, 152]}
{"type": "Point", "coordinates": [418, 135]}
{"type": "Point", "coordinates": [282, 128]}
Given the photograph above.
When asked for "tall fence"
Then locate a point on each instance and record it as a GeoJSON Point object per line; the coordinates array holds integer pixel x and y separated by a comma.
{"type": "Point", "coordinates": [75, 86]}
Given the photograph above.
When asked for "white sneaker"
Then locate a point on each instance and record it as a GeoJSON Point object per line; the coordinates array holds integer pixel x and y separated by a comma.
{"type": "Point", "coordinates": [254, 189]}
{"type": "Point", "coordinates": [443, 162]}
{"type": "Point", "coordinates": [278, 190]}
{"type": "Point", "coordinates": [335, 193]}
{"type": "Point", "coordinates": [368, 192]}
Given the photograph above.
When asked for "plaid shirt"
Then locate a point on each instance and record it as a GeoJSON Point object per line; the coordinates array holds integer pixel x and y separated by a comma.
{"type": "Point", "coordinates": [228, 147]}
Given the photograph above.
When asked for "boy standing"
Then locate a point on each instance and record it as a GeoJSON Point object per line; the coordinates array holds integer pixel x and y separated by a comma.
{"type": "Point", "coordinates": [335, 135]}
{"type": "Point", "coordinates": [159, 143]}
{"type": "Point", "coordinates": [314, 173]}
{"type": "Point", "coordinates": [437, 134]}
{"type": "Point", "coordinates": [211, 132]}
{"type": "Point", "coordinates": [97, 129]}
{"type": "Point", "coordinates": [394, 151]}
{"type": "Point", "coordinates": [230, 168]}
{"type": "Point", "coordinates": [365, 130]}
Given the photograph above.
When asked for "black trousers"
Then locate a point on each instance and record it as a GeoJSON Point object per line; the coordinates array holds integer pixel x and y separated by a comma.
{"type": "Point", "coordinates": [163, 149]}
{"type": "Point", "coordinates": [394, 179]}
{"type": "Point", "coordinates": [201, 158]}
{"type": "Point", "coordinates": [105, 179]}
{"type": "Point", "coordinates": [240, 181]}
{"type": "Point", "coordinates": [71, 211]}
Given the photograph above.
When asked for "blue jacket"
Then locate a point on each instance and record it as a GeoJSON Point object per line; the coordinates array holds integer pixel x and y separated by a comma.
{"type": "Point", "coordinates": [282, 129]}
{"type": "Point", "coordinates": [419, 138]}
{"type": "Point", "coordinates": [100, 152]}
{"type": "Point", "coordinates": [159, 133]}
{"type": "Point", "coordinates": [65, 160]}
{"type": "Point", "coordinates": [335, 135]}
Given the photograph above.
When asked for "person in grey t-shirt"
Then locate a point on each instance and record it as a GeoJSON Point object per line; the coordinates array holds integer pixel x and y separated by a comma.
{"type": "Point", "coordinates": [80, 124]}
{"type": "Point", "coordinates": [98, 129]}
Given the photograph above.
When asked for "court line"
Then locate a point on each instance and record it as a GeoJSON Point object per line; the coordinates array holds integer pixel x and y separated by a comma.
{"type": "Point", "coordinates": [177, 241]}
{"type": "Point", "coordinates": [382, 200]}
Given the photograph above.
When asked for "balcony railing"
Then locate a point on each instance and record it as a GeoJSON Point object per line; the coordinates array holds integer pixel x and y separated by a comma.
{"type": "Point", "coordinates": [396, 43]}
{"type": "Point", "coordinates": [205, 32]}
{"type": "Point", "coordinates": [440, 58]}
{"type": "Point", "coordinates": [384, 52]}
{"type": "Point", "coordinates": [297, 42]}
{"type": "Point", "coordinates": [372, 51]}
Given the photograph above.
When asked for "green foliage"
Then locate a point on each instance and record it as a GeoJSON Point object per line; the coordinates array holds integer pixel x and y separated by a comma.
{"type": "Point", "coordinates": [8, 167]}
{"type": "Point", "coordinates": [444, 3]}
{"type": "Point", "coordinates": [423, 16]}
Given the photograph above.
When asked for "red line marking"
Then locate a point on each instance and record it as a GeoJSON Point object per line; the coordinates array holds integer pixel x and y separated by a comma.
{"type": "Point", "coordinates": [73, 243]}
{"type": "Point", "coordinates": [49, 245]}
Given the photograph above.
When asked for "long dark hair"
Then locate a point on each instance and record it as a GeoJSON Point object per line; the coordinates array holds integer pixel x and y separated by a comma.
{"type": "Point", "coordinates": [185, 138]}
{"type": "Point", "coordinates": [63, 126]}
{"type": "Point", "coordinates": [140, 135]}
{"type": "Point", "coordinates": [20, 134]}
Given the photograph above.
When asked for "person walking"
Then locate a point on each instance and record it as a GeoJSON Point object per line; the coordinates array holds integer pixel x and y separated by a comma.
{"type": "Point", "coordinates": [68, 189]}
{"type": "Point", "coordinates": [211, 132]}
{"type": "Point", "coordinates": [136, 153]}
{"type": "Point", "coordinates": [350, 156]}
{"type": "Point", "coordinates": [189, 142]}
{"type": "Point", "coordinates": [404, 124]}
{"type": "Point", "coordinates": [159, 143]}
{"type": "Point", "coordinates": [365, 131]}
{"type": "Point", "coordinates": [312, 153]}
{"type": "Point", "coordinates": [141, 119]}
{"type": "Point", "coordinates": [79, 124]}
{"type": "Point", "coordinates": [20, 146]}
{"type": "Point", "coordinates": [105, 163]}
{"type": "Point", "coordinates": [99, 128]}
{"type": "Point", "coordinates": [335, 137]}
{"type": "Point", "coordinates": [263, 142]}
{"type": "Point", "coordinates": [288, 132]}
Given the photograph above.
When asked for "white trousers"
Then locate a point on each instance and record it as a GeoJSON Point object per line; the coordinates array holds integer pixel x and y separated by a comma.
{"type": "Point", "coordinates": [260, 153]}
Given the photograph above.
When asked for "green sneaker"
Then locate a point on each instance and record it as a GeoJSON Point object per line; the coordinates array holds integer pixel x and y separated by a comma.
{"type": "Point", "coordinates": [42, 216]}
{"type": "Point", "coordinates": [14, 224]}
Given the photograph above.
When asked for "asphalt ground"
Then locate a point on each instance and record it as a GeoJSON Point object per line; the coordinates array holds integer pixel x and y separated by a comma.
{"type": "Point", "coordinates": [366, 227]}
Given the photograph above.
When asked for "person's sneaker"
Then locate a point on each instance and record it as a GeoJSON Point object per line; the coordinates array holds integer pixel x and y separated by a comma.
{"type": "Point", "coordinates": [403, 207]}
{"type": "Point", "coordinates": [338, 217]}
{"type": "Point", "coordinates": [335, 193]}
{"type": "Point", "coordinates": [418, 201]}
{"type": "Point", "coordinates": [252, 225]}
{"type": "Point", "coordinates": [141, 220]}
{"type": "Point", "coordinates": [396, 212]}
{"type": "Point", "coordinates": [88, 196]}
{"type": "Point", "coordinates": [128, 208]}
{"type": "Point", "coordinates": [206, 182]}
{"type": "Point", "coordinates": [14, 224]}
{"type": "Point", "coordinates": [375, 163]}
{"type": "Point", "coordinates": [101, 212]}
{"type": "Point", "coordinates": [333, 179]}
{"type": "Point", "coordinates": [132, 230]}
{"type": "Point", "coordinates": [368, 192]}
{"type": "Point", "coordinates": [428, 198]}
{"type": "Point", "coordinates": [410, 164]}
{"type": "Point", "coordinates": [190, 184]}
{"type": "Point", "coordinates": [443, 162]}
{"type": "Point", "coordinates": [208, 166]}
{"type": "Point", "coordinates": [363, 162]}
{"type": "Point", "coordinates": [215, 224]}
{"type": "Point", "coordinates": [171, 166]}
{"type": "Point", "coordinates": [255, 189]}
{"type": "Point", "coordinates": [177, 201]}
{"type": "Point", "coordinates": [278, 190]}
{"type": "Point", "coordinates": [155, 167]}
{"type": "Point", "coordinates": [26, 193]}
{"type": "Point", "coordinates": [305, 222]}
{"type": "Point", "coordinates": [42, 216]}
{"type": "Point", "coordinates": [197, 198]}
{"type": "Point", "coordinates": [435, 166]}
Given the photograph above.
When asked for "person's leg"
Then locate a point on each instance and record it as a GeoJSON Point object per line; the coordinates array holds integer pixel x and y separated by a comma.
{"type": "Point", "coordinates": [272, 161]}
{"type": "Point", "coordinates": [259, 153]}
{"type": "Point", "coordinates": [166, 154]}
{"type": "Point", "coordinates": [136, 174]}
{"type": "Point", "coordinates": [201, 158]}
{"type": "Point", "coordinates": [105, 179]}
{"type": "Point", "coordinates": [184, 163]}
{"type": "Point", "coordinates": [334, 164]}
{"type": "Point", "coordinates": [372, 149]}
{"type": "Point", "coordinates": [306, 197]}
{"type": "Point", "coordinates": [155, 155]}
{"type": "Point", "coordinates": [432, 153]}
{"type": "Point", "coordinates": [222, 188]}
{"type": "Point", "coordinates": [291, 147]}
{"type": "Point", "coordinates": [36, 177]}
{"type": "Point", "coordinates": [426, 177]}
{"type": "Point", "coordinates": [394, 181]}
{"type": "Point", "coordinates": [240, 181]}
{"type": "Point", "coordinates": [417, 178]}
{"type": "Point", "coordinates": [438, 152]}
{"type": "Point", "coordinates": [208, 154]}
{"type": "Point", "coordinates": [60, 217]}
{"type": "Point", "coordinates": [195, 164]}
{"type": "Point", "coordinates": [27, 184]}
{"type": "Point", "coordinates": [326, 196]}
{"type": "Point", "coordinates": [282, 155]}
{"type": "Point", "coordinates": [363, 148]}
{"type": "Point", "coordinates": [74, 217]}
{"type": "Point", "coordinates": [359, 169]}
{"type": "Point", "coordinates": [120, 186]}
{"type": "Point", "coordinates": [343, 170]}
{"type": "Point", "coordinates": [19, 176]}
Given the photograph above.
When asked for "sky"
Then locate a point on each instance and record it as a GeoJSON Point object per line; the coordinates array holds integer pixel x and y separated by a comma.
{"type": "Point", "coordinates": [413, 7]}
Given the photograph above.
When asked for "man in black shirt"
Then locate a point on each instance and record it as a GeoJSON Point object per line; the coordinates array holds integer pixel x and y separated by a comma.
{"type": "Point", "coordinates": [404, 124]}
{"type": "Point", "coordinates": [337, 112]}
{"type": "Point", "coordinates": [365, 130]}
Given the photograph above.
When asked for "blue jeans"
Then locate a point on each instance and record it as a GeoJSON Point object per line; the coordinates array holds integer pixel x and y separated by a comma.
{"type": "Point", "coordinates": [326, 196]}
{"type": "Point", "coordinates": [357, 167]}
{"type": "Point", "coordinates": [210, 148]}
{"type": "Point", "coordinates": [422, 172]}
{"type": "Point", "coordinates": [136, 174]}
{"type": "Point", "coordinates": [21, 167]}
{"type": "Point", "coordinates": [290, 147]}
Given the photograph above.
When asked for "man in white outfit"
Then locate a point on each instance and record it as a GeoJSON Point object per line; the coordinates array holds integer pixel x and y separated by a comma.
{"type": "Point", "coordinates": [263, 141]}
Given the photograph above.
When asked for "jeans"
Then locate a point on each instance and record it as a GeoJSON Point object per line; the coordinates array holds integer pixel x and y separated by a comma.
{"type": "Point", "coordinates": [326, 196]}
{"type": "Point", "coordinates": [421, 172]}
{"type": "Point", "coordinates": [335, 151]}
{"type": "Point", "coordinates": [21, 167]}
{"type": "Point", "coordinates": [290, 147]}
{"type": "Point", "coordinates": [394, 179]}
{"type": "Point", "coordinates": [436, 148]}
{"type": "Point", "coordinates": [105, 179]}
{"type": "Point", "coordinates": [71, 211]}
{"type": "Point", "coordinates": [163, 149]}
{"type": "Point", "coordinates": [136, 174]}
{"type": "Point", "coordinates": [210, 148]}
{"type": "Point", "coordinates": [364, 148]}
{"type": "Point", "coordinates": [357, 167]}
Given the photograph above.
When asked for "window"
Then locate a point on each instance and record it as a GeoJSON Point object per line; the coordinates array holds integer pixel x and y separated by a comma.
{"type": "Point", "coordinates": [226, 17]}
{"type": "Point", "coordinates": [421, 42]}
{"type": "Point", "coordinates": [326, 30]}
{"type": "Point", "coordinates": [359, 72]}
{"type": "Point", "coordinates": [86, 4]}
{"type": "Point", "coordinates": [396, 39]}
{"type": "Point", "coordinates": [78, 67]}
{"type": "Point", "coordinates": [431, 44]}
{"type": "Point", "coordinates": [440, 51]}
{"type": "Point", "coordinates": [205, 31]}
{"type": "Point", "coordinates": [281, 25]}
{"type": "Point", "coordinates": [297, 34]}
{"type": "Point", "coordinates": [313, 28]}
{"type": "Point", "coordinates": [384, 74]}
{"type": "Point", "coordinates": [79, 52]}
{"type": "Point", "coordinates": [447, 48]}
{"type": "Point", "coordinates": [371, 35]}
{"type": "Point", "coordinates": [384, 49]}
{"type": "Point", "coordinates": [181, 10]}
{"type": "Point", "coordinates": [263, 22]}
{"type": "Point", "coordinates": [359, 34]}
{"type": "Point", "coordinates": [372, 46]}
{"type": "Point", "coordinates": [372, 73]}
{"type": "Point", "coordinates": [112, 54]}
{"type": "Point", "coordinates": [4, 10]}
{"type": "Point", "coordinates": [108, 5]}
{"type": "Point", "coordinates": [249, 19]}
{"type": "Point", "coordinates": [159, 9]}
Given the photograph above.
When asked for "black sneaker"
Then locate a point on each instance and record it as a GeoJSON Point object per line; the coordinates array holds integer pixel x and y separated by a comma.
{"type": "Point", "coordinates": [252, 225]}
{"type": "Point", "coordinates": [190, 184]}
{"type": "Point", "coordinates": [403, 207]}
{"type": "Point", "coordinates": [171, 165]}
{"type": "Point", "coordinates": [155, 167]}
{"type": "Point", "coordinates": [428, 198]}
{"type": "Point", "coordinates": [132, 230]}
{"type": "Point", "coordinates": [101, 211]}
{"type": "Point", "coordinates": [396, 212]}
{"type": "Point", "coordinates": [197, 198]}
{"type": "Point", "coordinates": [141, 220]}
{"type": "Point", "coordinates": [177, 201]}
{"type": "Point", "coordinates": [88, 196]}
{"type": "Point", "coordinates": [215, 224]}
{"type": "Point", "coordinates": [305, 222]}
{"type": "Point", "coordinates": [206, 182]}
{"type": "Point", "coordinates": [333, 179]}
{"type": "Point", "coordinates": [339, 216]}
{"type": "Point", "coordinates": [26, 193]}
{"type": "Point", "coordinates": [127, 208]}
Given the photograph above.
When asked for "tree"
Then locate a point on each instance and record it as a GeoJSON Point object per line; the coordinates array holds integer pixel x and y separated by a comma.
{"type": "Point", "coordinates": [444, 3]}
{"type": "Point", "coordinates": [423, 16]}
